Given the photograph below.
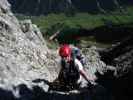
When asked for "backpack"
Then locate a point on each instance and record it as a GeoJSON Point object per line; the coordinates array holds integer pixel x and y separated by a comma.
{"type": "Point", "coordinates": [76, 53]}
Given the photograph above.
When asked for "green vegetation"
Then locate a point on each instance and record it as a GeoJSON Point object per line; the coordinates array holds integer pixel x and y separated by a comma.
{"type": "Point", "coordinates": [83, 20]}
{"type": "Point", "coordinates": [70, 24]}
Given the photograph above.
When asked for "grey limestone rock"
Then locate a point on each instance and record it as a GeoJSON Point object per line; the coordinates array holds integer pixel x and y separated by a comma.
{"type": "Point", "coordinates": [23, 51]}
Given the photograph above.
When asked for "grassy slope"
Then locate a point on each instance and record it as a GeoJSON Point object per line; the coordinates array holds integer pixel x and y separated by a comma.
{"type": "Point", "coordinates": [82, 20]}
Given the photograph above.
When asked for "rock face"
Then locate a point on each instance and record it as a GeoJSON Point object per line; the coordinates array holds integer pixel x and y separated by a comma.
{"type": "Point", "coordinates": [120, 56]}
{"type": "Point", "coordinates": [24, 55]}
{"type": "Point", "coordinates": [37, 7]}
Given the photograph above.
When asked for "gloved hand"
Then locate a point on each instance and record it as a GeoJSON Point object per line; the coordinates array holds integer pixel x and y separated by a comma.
{"type": "Point", "coordinates": [90, 85]}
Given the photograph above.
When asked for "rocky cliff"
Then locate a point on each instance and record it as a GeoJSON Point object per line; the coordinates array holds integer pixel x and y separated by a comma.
{"type": "Point", "coordinates": [39, 7]}
{"type": "Point", "coordinates": [24, 55]}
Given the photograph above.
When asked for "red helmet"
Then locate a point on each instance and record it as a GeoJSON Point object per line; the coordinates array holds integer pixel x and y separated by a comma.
{"type": "Point", "coordinates": [65, 51]}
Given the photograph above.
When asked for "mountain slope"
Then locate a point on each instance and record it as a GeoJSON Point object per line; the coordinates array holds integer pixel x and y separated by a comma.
{"type": "Point", "coordinates": [38, 7]}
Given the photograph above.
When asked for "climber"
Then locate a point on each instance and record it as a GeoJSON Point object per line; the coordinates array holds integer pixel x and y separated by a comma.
{"type": "Point", "coordinates": [71, 68]}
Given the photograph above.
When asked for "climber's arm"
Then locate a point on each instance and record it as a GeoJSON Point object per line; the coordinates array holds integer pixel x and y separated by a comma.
{"type": "Point", "coordinates": [82, 72]}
